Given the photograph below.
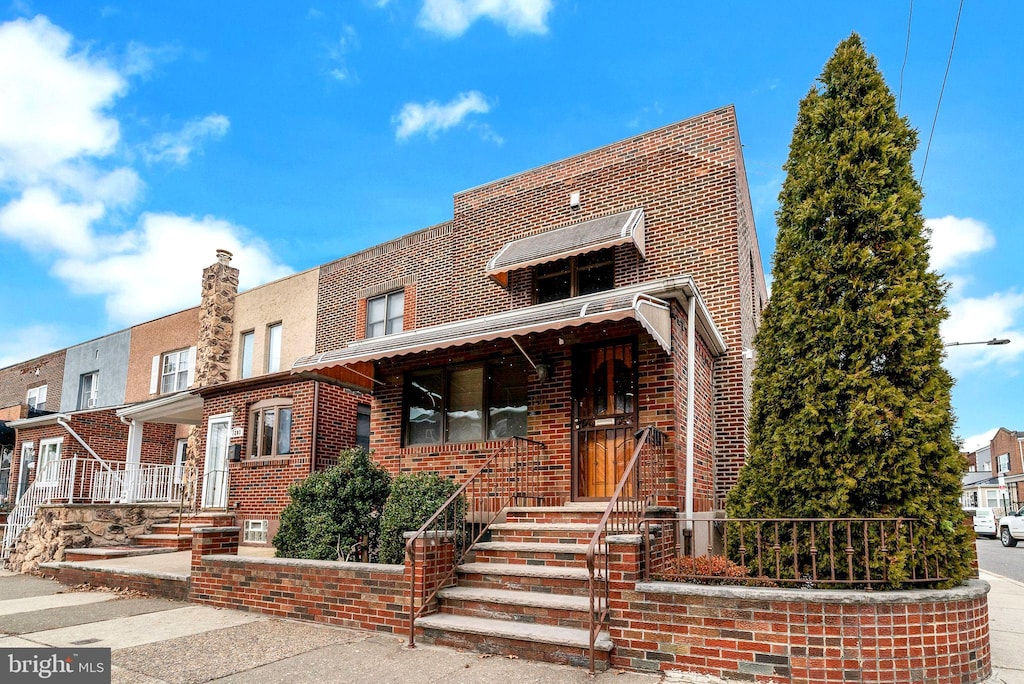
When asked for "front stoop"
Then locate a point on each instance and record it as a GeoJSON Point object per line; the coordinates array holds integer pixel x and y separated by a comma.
{"type": "Point", "coordinates": [525, 592]}
{"type": "Point", "coordinates": [178, 537]}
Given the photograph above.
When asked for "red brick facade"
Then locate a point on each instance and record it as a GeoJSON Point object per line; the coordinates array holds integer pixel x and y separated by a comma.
{"type": "Point", "coordinates": [17, 380]}
{"type": "Point", "coordinates": [689, 180]}
{"type": "Point", "coordinates": [1010, 445]}
{"type": "Point", "coordinates": [258, 487]}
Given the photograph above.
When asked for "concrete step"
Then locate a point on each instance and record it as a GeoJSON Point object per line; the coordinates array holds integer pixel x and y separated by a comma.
{"type": "Point", "coordinates": [547, 643]}
{"type": "Point", "coordinates": [558, 610]}
{"type": "Point", "coordinates": [580, 512]}
{"type": "Point", "coordinates": [107, 552]}
{"type": "Point", "coordinates": [552, 555]}
{"type": "Point", "coordinates": [521, 577]}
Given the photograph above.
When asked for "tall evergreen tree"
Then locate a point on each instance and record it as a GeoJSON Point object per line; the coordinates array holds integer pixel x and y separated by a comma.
{"type": "Point", "coordinates": [851, 406]}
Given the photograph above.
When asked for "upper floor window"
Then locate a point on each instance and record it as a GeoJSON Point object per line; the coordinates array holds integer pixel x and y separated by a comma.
{"type": "Point", "coordinates": [466, 403]}
{"type": "Point", "coordinates": [36, 398]}
{"type": "Point", "coordinates": [274, 348]}
{"type": "Point", "coordinates": [174, 370]}
{"type": "Point", "coordinates": [575, 276]}
{"type": "Point", "coordinates": [270, 428]}
{"type": "Point", "coordinates": [1003, 463]}
{"type": "Point", "coordinates": [245, 362]}
{"type": "Point", "coordinates": [385, 314]}
{"type": "Point", "coordinates": [88, 388]}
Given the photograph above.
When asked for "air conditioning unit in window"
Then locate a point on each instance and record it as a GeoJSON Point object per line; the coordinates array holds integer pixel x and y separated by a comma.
{"type": "Point", "coordinates": [90, 402]}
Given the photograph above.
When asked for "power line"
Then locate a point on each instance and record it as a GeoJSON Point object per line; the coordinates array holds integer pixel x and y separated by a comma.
{"type": "Point", "coordinates": [938, 104]}
{"type": "Point", "coordinates": [906, 51]}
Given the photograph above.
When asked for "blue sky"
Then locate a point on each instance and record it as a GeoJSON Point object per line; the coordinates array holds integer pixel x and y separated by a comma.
{"type": "Point", "coordinates": [135, 138]}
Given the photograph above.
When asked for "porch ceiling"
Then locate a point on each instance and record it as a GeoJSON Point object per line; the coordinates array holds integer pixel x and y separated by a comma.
{"type": "Point", "coordinates": [579, 238]}
{"type": "Point", "coordinates": [639, 302]}
{"type": "Point", "coordinates": [181, 408]}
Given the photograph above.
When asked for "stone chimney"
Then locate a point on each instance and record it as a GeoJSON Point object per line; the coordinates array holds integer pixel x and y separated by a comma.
{"type": "Point", "coordinates": [216, 321]}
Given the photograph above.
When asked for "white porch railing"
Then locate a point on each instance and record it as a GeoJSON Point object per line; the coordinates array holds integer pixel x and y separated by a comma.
{"type": "Point", "coordinates": [86, 480]}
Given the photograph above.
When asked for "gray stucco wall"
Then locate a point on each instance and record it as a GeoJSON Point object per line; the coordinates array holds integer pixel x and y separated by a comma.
{"type": "Point", "coordinates": [107, 355]}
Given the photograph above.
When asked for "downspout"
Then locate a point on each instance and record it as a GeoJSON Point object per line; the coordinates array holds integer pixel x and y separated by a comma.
{"type": "Point", "coordinates": [691, 346]}
{"type": "Point", "coordinates": [316, 420]}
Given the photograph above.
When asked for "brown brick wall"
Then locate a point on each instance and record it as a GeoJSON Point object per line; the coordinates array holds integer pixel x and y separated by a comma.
{"type": "Point", "coordinates": [17, 380]}
{"type": "Point", "coordinates": [1006, 442]}
{"type": "Point", "coordinates": [688, 178]}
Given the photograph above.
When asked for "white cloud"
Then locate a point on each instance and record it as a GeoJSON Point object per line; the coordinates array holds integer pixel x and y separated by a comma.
{"type": "Point", "coordinates": [54, 102]}
{"type": "Point", "coordinates": [157, 269]}
{"type": "Point", "coordinates": [433, 118]}
{"type": "Point", "coordinates": [451, 18]}
{"type": "Point", "coordinates": [41, 222]}
{"type": "Point", "coordinates": [954, 239]}
{"type": "Point", "coordinates": [21, 344]}
{"type": "Point", "coordinates": [141, 59]}
{"type": "Point", "coordinates": [178, 147]}
{"type": "Point", "coordinates": [975, 442]}
{"type": "Point", "coordinates": [973, 319]}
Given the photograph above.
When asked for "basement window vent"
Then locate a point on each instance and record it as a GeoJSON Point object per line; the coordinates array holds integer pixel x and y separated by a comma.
{"type": "Point", "coordinates": [255, 532]}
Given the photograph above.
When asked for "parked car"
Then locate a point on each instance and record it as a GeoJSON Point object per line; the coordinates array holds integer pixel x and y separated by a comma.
{"type": "Point", "coordinates": [1011, 528]}
{"type": "Point", "coordinates": [985, 523]}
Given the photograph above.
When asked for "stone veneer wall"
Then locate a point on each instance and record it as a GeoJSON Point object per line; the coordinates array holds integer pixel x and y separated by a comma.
{"type": "Point", "coordinates": [75, 526]}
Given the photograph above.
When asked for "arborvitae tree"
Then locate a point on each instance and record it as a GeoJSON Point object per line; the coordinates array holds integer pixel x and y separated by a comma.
{"type": "Point", "coordinates": [851, 411]}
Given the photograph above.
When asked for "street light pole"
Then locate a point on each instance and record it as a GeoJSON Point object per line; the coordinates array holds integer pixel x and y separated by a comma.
{"type": "Point", "coordinates": [994, 342]}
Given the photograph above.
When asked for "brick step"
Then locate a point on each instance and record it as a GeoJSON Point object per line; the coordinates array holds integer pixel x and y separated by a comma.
{"type": "Point", "coordinates": [552, 555]}
{"type": "Point", "coordinates": [532, 607]}
{"type": "Point", "coordinates": [543, 533]}
{"type": "Point", "coordinates": [546, 643]}
{"type": "Point", "coordinates": [180, 542]}
{"type": "Point", "coordinates": [584, 512]}
{"type": "Point", "coordinates": [519, 577]}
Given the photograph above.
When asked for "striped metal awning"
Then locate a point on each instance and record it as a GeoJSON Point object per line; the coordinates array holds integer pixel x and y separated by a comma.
{"type": "Point", "coordinates": [579, 238]}
{"type": "Point", "coordinates": [638, 302]}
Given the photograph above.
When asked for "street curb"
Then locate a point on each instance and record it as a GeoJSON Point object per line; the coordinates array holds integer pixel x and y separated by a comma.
{"type": "Point", "coordinates": [1001, 577]}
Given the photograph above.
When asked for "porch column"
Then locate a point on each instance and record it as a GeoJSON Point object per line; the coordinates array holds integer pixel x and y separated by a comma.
{"type": "Point", "coordinates": [132, 461]}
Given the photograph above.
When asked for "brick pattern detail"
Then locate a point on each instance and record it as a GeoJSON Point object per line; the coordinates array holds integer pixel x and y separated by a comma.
{"type": "Point", "coordinates": [258, 487]}
{"type": "Point", "coordinates": [730, 633]}
{"type": "Point", "coordinates": [360, 595]}
{"type": "Point", "coordinates": [689, 179]}
{"type": "Point", "coordinates": [17, 380]}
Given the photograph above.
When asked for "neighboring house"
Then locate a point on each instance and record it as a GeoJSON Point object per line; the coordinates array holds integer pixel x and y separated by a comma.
{"type": "Point", "coordinates": [571, 304]}
{"type": "Point", "coordinates": [96, 373]}
{"type": "Point", "coordinates": [995, 477]}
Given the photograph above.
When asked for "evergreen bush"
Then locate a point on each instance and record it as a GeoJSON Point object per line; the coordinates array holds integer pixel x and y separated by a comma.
{"type": "Point", "coordinates": [335, 514]}
{"type": "Point", "coordinates": [414, 498]}
{"type": "Point", "coordinates": [851, 412]}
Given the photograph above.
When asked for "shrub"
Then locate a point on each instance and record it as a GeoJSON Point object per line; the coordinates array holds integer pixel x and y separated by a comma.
{"type": "Point", "coordinates": [335, 514]}
{"type": "Point", "coordinates": [414, 498]}
{"type": "Point", "coordinates": [709, 570]}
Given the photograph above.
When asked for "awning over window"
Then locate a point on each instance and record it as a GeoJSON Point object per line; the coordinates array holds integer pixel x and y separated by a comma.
{"type": "Point", "coordinates": [643, 303]}
{"type": "Point", "coordinates": [559, 243]}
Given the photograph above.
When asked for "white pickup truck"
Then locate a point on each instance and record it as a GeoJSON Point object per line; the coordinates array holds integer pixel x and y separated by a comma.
{"type": "Point", "coordinates": [1011, 528]}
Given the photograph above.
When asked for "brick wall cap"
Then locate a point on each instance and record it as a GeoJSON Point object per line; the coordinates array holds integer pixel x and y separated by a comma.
{"type": "Point", "coordinates": [130, 572]}
{"type": "Point", "coordinates": [226, 559]}
{"type": "Point", "coordinates": [970, 590]}
{"type": "Point", "coordinates": [213, 530]}
{"type": "Point", "coordinates": [634, 539]}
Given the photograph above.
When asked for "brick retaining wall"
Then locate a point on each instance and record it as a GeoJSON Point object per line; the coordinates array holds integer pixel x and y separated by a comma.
{"type": "Point", "coordinates": [164, 585]}
{"type": "Point", "coordinates": [362, 595]}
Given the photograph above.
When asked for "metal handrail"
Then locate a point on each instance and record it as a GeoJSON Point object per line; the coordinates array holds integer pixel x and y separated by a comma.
{"type": "Point", "coordinates": [507, 475]}
{"type": "Point", "coordinates": [622, 515]}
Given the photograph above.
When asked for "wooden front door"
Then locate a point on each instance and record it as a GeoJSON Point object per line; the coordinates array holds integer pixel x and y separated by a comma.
{"type": "Point", "coordinates": [604, 417]}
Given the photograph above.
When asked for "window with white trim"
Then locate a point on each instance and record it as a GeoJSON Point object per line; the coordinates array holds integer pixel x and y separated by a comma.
{"type": "Point", "coordinates": [49, 460]}
{"type": "Point", "coordinates": [385, 314]}
{"type": "Point", "coordinates": [255, 532]}
{"type": "Point", "coordinates": [270, 427]}
{"type": "Point", "coordinates": [88, 389]}
{"type": "Point", "coordinates": [36, 398]}
{"type": "Point", "coordinates": [1003, 463]}
{"type": "Point", "coordinates": [274, 348]}
{"type": "Point", "coordinates": [174, 371]}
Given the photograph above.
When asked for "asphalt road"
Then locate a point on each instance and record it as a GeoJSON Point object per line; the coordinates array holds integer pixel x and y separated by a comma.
{"type": "Point", "coordinates": [1008, 562]}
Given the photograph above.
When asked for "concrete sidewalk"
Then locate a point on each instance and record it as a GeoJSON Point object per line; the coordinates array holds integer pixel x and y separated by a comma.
{"type": "Point", "coordinates": [157, 641]}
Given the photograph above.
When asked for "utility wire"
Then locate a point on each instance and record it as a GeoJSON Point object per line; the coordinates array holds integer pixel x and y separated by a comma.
{"type": "Point", "coordinates": [938, 104]}
{"type": "Point", "coordinates": [910, 18]}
